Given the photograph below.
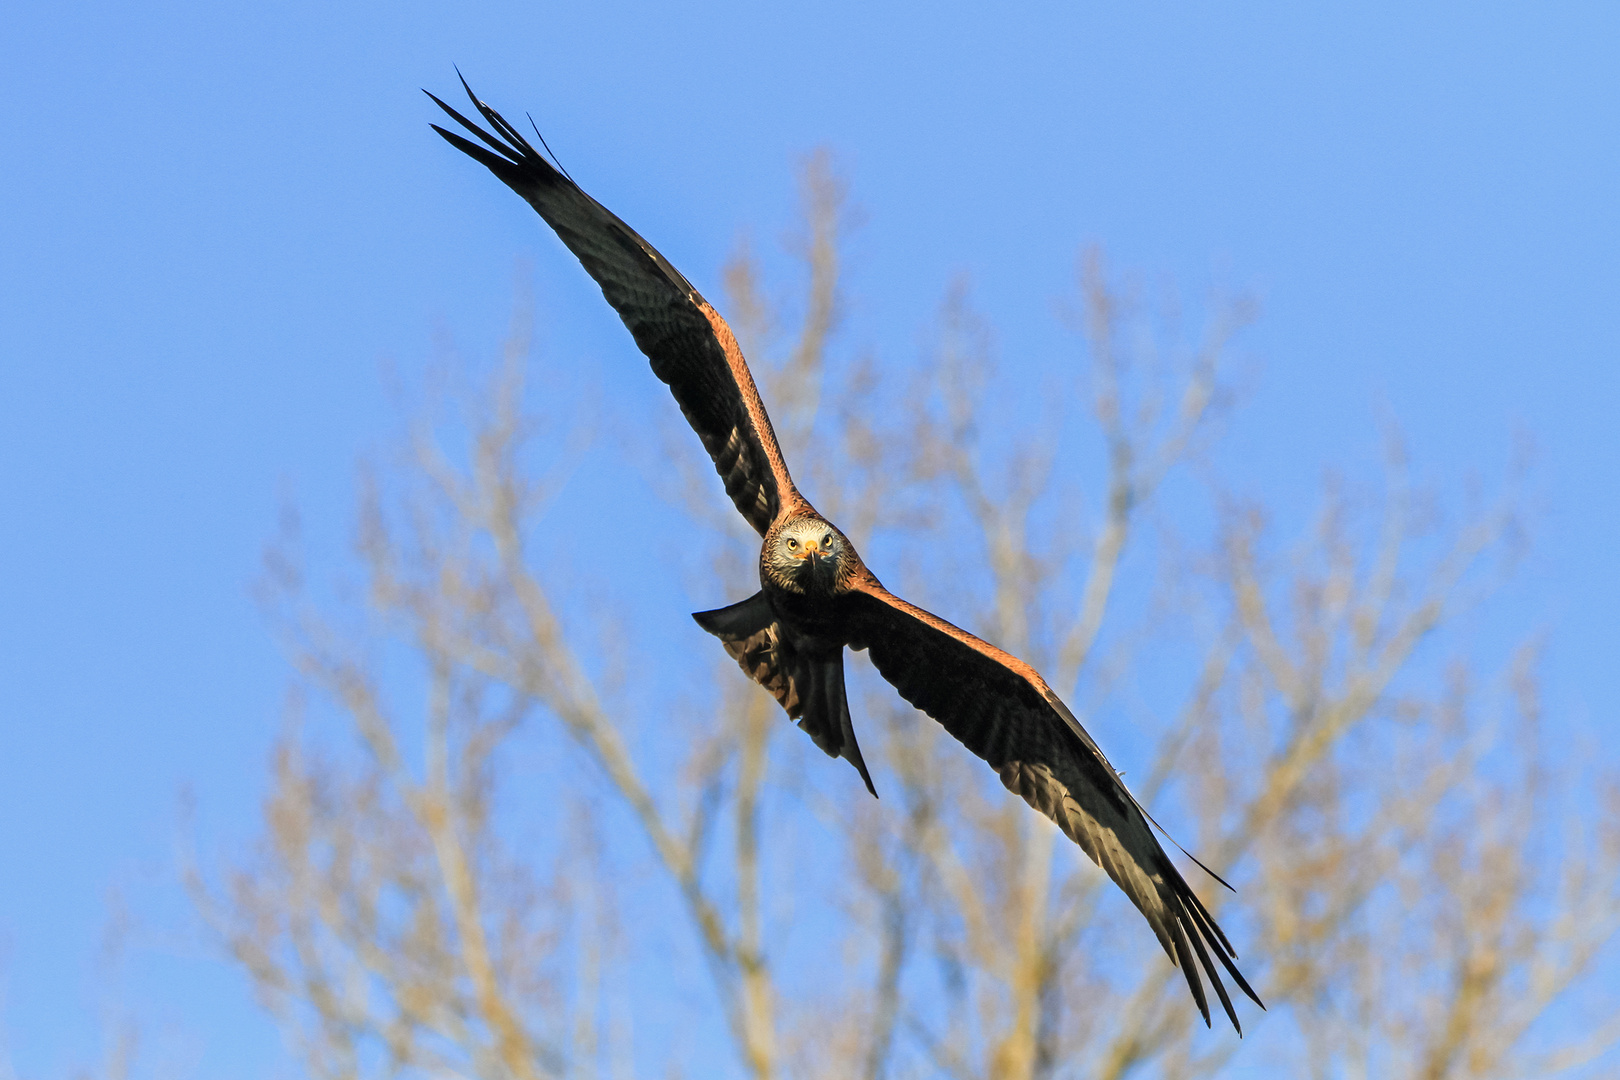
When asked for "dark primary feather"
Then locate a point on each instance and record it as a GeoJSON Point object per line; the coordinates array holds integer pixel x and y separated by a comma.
{"type": "Point", "coordinates": [690, 346]}
{"type": "Point", "coordinates": [1000, 708]}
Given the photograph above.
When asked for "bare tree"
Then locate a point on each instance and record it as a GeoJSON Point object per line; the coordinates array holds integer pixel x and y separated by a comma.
{"type": "Point", "coordinates": [1420, 884]}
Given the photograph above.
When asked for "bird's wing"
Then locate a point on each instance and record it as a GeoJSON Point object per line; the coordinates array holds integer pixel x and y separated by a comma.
{"type": "Point", "coordinates": [1002, 710]}
{"type": "Point", "coordinates": [690, 346]}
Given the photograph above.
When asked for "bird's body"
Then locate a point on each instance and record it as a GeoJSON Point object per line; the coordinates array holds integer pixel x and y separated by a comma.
{"type": "Point", "coordinates": [817, 597]}
{"type": "Point", "coordinates": [790, 636]}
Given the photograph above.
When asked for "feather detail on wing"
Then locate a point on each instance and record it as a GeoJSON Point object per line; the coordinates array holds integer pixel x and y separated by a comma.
{"type": "Point", "coordinates": [690, 346]}
{"type": "Point", "coordinates": [1002, 710]}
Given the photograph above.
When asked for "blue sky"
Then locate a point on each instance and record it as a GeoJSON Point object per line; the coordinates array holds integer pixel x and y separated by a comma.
{"type": "Point", "coordinates": [222, 219]}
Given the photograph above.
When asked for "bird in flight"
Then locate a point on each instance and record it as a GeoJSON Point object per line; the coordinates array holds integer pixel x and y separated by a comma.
{"type": "Point", "coordinates": [817, 597]}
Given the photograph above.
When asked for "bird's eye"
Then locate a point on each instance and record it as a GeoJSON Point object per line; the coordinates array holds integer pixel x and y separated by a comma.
{"type": "Point", "coordinates": [792, 543]}
{"type": "Point", "coordinates": [826, 541]}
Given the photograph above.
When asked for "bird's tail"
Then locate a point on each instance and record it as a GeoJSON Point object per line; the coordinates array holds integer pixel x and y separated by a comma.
{"type": "Point", "coordinates": [826, 713]}
{"type": "Point", "coordinates": [810, 686]}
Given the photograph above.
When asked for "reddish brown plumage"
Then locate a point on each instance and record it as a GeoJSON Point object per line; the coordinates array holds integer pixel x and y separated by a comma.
{"type": "Point", "coordinates": [790, 636]}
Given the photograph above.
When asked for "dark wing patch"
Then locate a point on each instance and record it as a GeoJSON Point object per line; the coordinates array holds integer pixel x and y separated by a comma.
{"type": "Point", "coordinates": [1002, 710]}
{"type": "Point", "coordinates": [690, 346]}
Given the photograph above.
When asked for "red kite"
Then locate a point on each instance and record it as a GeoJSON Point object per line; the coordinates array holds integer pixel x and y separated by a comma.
{"type": "Point", "coordinates": [817, 597]}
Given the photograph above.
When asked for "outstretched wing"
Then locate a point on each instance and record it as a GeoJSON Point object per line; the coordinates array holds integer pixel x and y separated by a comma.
{"type": "Point", "coordinates": [1003, 711]}
{"type": "Point", "coordinates": [690, 346]}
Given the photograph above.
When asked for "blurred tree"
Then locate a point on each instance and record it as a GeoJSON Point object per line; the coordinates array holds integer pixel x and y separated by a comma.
{"type": "Point", "coordinates": [1422, 891]}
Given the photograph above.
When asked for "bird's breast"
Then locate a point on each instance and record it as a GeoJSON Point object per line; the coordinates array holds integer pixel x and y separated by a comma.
{"type": "Point", "coordinates": [815, 620]}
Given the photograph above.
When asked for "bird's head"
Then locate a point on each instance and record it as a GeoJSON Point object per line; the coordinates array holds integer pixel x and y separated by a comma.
{"type": "Point", "coordinates": [806, 555]}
